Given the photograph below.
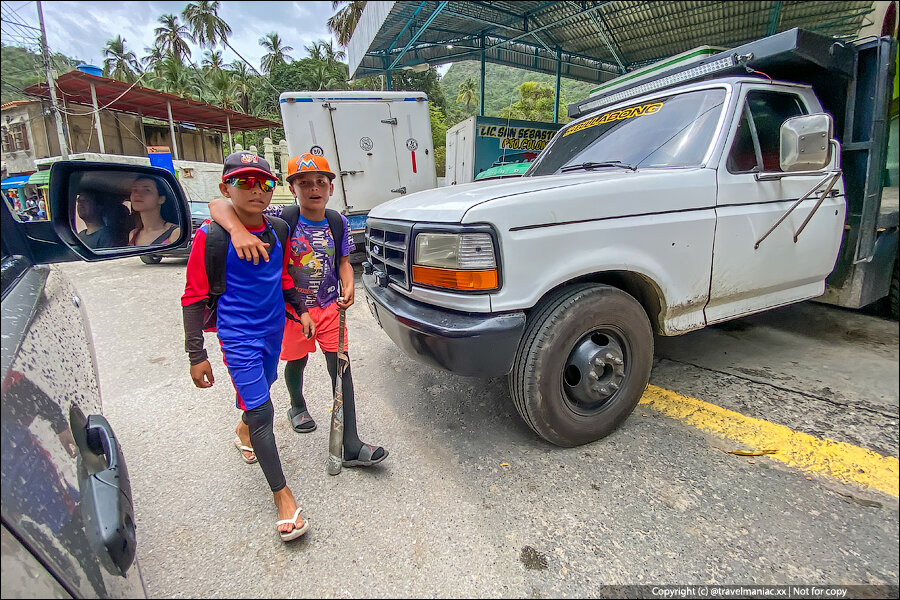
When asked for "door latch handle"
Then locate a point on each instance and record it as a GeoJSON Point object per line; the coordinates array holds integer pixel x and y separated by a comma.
{"type": "Point", "coordinates": [391, 121]}
{"type": "Point", "coordinates": [399, 190]}
{"type": "Point", "coordinates": [351, 172]}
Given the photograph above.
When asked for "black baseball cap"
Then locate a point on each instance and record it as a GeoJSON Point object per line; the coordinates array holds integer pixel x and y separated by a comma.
{"type": "Point", "coordinates": [246, 163]}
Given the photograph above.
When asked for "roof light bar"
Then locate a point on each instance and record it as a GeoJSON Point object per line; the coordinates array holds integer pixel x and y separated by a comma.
{"type": "Point", "coordinates": [722, 64]}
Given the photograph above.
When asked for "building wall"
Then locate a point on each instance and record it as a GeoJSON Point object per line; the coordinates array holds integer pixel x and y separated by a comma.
{"type": "Point", "coordinates": [121, 136]}
{"type": "Point", "coordinates": [31, 115]}
{"type": "Point", "coordinates": [191, 144]}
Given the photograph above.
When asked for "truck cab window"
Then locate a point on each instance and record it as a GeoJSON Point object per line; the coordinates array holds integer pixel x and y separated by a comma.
{"type": "Point", "coordinates": [768, 111]}
{"type": "Point", "coordinates": [671, 131]}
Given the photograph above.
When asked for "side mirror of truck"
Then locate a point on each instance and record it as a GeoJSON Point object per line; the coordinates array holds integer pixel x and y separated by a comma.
{"type": "Point", "coordinates": [100, 211]}
{"type": "Point", "coordinates": [806, 142]}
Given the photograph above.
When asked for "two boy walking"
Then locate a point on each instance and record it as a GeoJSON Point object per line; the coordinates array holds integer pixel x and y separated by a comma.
{"type": "Point", "coordinates": [261, 277]}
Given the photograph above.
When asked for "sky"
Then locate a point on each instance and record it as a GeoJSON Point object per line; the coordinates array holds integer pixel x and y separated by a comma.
{"type": "Point", "coordinates": [81, 29]}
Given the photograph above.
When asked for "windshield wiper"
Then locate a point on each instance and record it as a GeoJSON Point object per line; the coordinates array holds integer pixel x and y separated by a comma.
{"type": "Point", "coordinates": [587, 166]}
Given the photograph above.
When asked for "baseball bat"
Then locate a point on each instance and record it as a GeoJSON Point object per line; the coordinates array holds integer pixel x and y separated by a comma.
{"type": "Point", "coordinates": [336, 436]}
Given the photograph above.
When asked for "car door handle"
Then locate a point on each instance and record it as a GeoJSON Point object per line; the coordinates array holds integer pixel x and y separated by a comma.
{"type": "Point", "coordinates": [399, 190]}
{"type": "Point", "coordinates": [110, 494]}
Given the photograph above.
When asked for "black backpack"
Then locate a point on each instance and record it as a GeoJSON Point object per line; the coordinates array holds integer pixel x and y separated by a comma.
{"type": "Point", "coordinates": [217, 240]}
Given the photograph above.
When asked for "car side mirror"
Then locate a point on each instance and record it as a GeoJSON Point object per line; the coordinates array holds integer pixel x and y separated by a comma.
{"type": "Point", "coordinates": [806, 142]}
{"type": "Point", "coordinates": [100, 211]}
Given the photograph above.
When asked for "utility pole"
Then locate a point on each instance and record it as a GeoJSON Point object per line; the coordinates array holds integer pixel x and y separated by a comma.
{"type": "Point", "coordinates": [63, 148]}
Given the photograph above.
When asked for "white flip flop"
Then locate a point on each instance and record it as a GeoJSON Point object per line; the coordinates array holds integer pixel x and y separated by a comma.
{"type": "Point", "coordinates": [241, 448]}
{"type": "Point", "coordinates": [296, 531]}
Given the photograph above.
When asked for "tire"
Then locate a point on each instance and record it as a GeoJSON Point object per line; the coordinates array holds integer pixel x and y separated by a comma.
{"type": "Point", "coordinates": [151, 259]}
{"type": "Point", "coordinates": [583, 364]}
{"type": "Point", "coordinates": [895, 290]}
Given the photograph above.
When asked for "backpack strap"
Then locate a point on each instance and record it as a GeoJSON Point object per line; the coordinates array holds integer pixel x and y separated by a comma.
{"type": "Point", "coordinates": [282, 230]}
{"type": "Point", "coordinates": [216, 251]}
{"type": "Point", "coordinates": [290, 215]}
{"type": "Point", "coordinates": [336, 224]}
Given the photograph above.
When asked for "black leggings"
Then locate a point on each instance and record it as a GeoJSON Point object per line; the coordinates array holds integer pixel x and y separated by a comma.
{"type": "Point", "coordinates": [262, 438]}
{"type": "Point", "coordinates": [293, 377]}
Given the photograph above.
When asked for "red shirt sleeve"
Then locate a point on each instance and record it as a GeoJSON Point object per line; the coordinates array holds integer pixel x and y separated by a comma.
{"type": "Point", "coordinates": [197, 286]}
{"type": "Point", "coordinates": [287, 282]}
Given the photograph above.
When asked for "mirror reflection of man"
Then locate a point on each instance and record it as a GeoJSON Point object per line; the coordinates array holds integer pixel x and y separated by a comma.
{"type": "Point", "coordinates": [95, 234]}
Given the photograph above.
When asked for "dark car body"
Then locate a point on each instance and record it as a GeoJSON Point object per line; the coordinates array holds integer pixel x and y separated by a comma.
{"type": "Point", "coordinates": [68, 527]}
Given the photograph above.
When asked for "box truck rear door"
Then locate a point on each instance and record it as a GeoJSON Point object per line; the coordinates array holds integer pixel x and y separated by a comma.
{"type": "Point", "coordinates": [365, 142]}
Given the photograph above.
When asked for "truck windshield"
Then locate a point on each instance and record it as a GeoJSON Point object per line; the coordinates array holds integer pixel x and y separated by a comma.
{"type": "Point", "coordinates": [674, 131]}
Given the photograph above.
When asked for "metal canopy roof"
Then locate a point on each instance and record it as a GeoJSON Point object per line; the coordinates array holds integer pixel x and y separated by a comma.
{"type": "Point", "coordinates": [587, 41]}
{"type": "Point", "coordinates": [113, 94]}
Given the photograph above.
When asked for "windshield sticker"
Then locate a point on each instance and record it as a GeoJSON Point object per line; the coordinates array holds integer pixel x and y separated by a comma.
{"type": "Point", "coordinates": [618, 115]}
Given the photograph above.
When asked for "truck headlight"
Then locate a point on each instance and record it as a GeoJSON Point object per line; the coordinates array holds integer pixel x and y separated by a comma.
{"type": "Point", "coordinates": [460, 261]}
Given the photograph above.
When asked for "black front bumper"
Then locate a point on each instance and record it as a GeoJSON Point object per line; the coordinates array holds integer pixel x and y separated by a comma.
{"type": "Point", "coordinates": [462, 343]}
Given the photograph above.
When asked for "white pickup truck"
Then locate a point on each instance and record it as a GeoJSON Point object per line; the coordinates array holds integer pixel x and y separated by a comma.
{"type": "Point", "coordinates": [688, 198]}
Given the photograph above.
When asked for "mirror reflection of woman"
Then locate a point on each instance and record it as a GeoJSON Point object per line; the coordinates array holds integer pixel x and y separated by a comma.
{"type": "Point", "coordinates": [152, 213]}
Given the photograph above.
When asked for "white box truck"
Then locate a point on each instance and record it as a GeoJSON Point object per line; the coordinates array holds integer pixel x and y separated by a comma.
{"type": "Point", "coordinates": [479, 143]}
{"type": "Point", "coordinates": [378, 143]}
{"type": "Point", "coordinates": [701, 194]}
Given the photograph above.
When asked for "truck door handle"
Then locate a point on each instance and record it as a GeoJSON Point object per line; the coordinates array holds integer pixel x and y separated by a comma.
{"type": "Point", "coordinates": [350, 172]}
{"type": "Point", "coordinates": [391, 121]}
{"type": "Point", "coordinates": [400, 190]}
{"type": "Point", "coordinates": [109, 491]}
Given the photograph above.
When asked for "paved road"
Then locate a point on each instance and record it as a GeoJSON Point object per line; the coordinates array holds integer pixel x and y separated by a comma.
{"type": "Point", "coordinates": [656, 502]}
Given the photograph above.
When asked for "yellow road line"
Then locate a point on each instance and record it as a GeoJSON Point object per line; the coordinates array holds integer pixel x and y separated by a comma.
{"type": "Point", "coordinates": [840, 460]}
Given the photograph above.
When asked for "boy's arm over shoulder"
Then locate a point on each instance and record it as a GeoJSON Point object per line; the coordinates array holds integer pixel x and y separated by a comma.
{"type": "Point", "coordinates": [247, 246]}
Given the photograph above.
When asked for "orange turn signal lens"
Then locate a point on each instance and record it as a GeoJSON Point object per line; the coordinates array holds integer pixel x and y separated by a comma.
{"type": "Point", "coordinates": [456, 280]}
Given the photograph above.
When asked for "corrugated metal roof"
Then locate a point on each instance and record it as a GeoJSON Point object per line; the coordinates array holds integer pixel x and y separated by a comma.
{"type": "Point", "coordinates": [595, 41]}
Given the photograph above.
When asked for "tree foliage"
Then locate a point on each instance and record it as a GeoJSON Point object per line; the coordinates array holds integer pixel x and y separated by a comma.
{"type": "Point", "coordinates": [120, 63]}
{"type": "Point", "coordinates": [343, 23]}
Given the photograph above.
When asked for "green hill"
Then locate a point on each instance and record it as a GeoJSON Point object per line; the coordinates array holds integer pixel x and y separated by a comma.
{"type": "Point", "coordinates": [502, 87]}
{"type": "Point", "coordinates": [21, 68]}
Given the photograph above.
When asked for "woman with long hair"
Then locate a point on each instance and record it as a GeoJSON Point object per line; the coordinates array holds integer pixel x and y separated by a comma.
{"type": "Point", "coordinates": [154, 214]}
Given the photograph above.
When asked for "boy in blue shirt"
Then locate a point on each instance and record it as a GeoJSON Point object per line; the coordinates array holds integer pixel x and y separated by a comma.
{"type": "Point", "coordinates": [250, 323]}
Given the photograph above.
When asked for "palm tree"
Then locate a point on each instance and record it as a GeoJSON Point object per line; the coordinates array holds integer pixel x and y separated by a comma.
{"type": "Point", "coordinates": [208, 28]}
{"type": "Point", "coordinates": [319, 77]}
{"type": "Point", "coordinates": [152, 59]}
{"type": "Point", "coordinates": [224, 89]}
{"type": "Point", "coordinates": [212, 60]}
{"type": "Point", "coordinates": [244, 84]}
{"type": "Point", "coordinates": [343, 23]}
{"type": "Point", "coordinates": [120, 63]}
{"type": "Point", "coordinates": [173, 77]}
{"type": "Point", "coordinates": [467, 93]}
{"type": "Point", "coordinates": [171, 37]}
{"type": "Point", "coordinates": [322, 50]}
{"type": "Point", "coordinates": [277, 51]}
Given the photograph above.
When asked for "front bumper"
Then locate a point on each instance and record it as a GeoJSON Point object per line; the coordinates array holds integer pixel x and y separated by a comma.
{"type": "Point", "coordinates": [462, 343]}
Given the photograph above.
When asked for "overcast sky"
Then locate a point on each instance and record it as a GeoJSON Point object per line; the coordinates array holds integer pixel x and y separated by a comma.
{"type": "Point", "coordinates": [81, 29]}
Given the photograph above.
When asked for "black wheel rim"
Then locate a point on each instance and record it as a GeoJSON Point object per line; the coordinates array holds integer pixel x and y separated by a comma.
{"type": "Point", "coordinates": [594, 371]}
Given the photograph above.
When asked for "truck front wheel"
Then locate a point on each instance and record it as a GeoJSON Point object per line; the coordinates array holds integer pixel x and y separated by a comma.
{"type": "Point", "coordinates": [583, 364]}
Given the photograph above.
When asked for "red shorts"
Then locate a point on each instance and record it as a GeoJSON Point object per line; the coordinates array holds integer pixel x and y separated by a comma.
{"type": "Point", "coordinates": [295, 345]}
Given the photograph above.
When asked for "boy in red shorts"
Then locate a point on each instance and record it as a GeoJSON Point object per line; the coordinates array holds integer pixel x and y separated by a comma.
{"type": "Point", "coordinates": [318, 267]}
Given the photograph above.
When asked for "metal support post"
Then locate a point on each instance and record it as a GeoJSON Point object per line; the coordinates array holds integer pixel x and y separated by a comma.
{"type": "Point", "coordinates": [97, 119]}
{"type": "Point", "coordinates": [558, 75]}
{"type": "Point", "coordinates": [172, 131]}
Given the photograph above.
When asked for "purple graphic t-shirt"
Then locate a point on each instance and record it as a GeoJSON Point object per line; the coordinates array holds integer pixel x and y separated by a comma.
{"type": "Point", "coordinates": [313, 265]}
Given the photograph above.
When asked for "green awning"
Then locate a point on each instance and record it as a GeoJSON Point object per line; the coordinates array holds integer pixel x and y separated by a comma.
{"type": "Point", "coordinates": [40, 178]}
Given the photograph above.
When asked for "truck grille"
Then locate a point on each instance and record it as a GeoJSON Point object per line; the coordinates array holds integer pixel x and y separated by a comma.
{"type": "Point", "coordinates": [387, 248]}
